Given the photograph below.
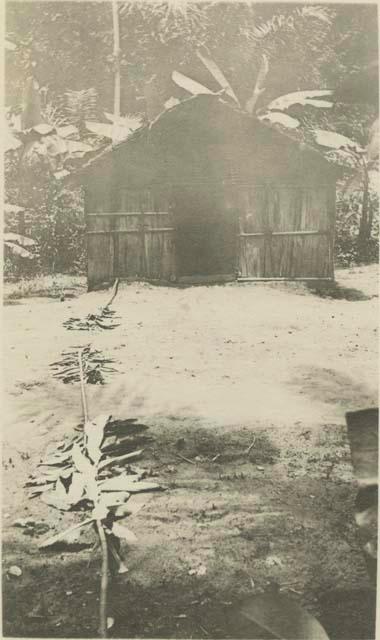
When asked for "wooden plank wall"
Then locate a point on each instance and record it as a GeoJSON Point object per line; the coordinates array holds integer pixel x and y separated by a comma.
{"type": "Point", "coordinates": [100, 247]}
{"type": "Point", "coordinates": [127, 238]}
{"type": "Point", "coordinates": [159, 247]}
{"type": "Point", "coordinates": [286, 257]}
{"type": "Point", "coordinates": [286, 232]}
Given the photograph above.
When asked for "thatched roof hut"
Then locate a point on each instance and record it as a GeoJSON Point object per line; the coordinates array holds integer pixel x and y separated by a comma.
{"type": "Point", "coordinates": [206, 192]}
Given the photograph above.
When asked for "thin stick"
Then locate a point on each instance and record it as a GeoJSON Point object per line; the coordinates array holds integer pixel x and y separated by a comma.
{"type": "Point", "coordinates": [104, 582]}
{"type": "Point", "coordinates": [82, 387]}
{"type": "Point", "coordinates": [185, 459]}
{"type": "Point", "coordinates": [251, 446]}
{"type": "Point", "coordinates": [204, 630]}
{"type": "Point", "coordinates": [114, 293]}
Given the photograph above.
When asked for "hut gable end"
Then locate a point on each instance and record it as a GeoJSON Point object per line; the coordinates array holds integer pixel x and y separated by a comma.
{"type": "Point", "coordinates": [206, 191]}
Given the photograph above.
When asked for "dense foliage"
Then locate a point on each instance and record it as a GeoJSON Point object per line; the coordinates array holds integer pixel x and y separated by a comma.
{"type": "Point", "coordinates": [53, 217]}
{"type": "Point", "coordinates": [68, 48]}
{"type": "Point", "coordinates": [348, 214]}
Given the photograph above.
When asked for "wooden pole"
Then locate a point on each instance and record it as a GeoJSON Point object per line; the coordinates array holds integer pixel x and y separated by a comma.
{"type": "Point", "coordinates": [114, 293]}
{"type": "Point", "coordinates": [116, 53]}
{"type": "Point", "coordinates": [104, 581]}
{"type": "Point", "coordinates": [82, 386]}
{"type": "Point", "coordinates": [364, 228]}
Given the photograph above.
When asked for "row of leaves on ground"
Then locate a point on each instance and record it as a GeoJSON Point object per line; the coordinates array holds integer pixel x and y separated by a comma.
{"type": "Point", "coordinates": [95, 473]}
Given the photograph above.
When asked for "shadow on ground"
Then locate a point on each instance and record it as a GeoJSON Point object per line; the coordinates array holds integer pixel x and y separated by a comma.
{"type": "Point", "coordinates": [237, 517]}
{"type": "Point", "coordinates": [336, 291]}
{"type": "Point", "coordinates": [66, 604]}
{"type": "Point", "coordinates": [333, 387]}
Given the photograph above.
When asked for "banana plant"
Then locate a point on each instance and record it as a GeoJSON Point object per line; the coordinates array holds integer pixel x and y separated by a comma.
{"type": "Point", "coordinates": [126, 125]}
{"type": "Point", "coordinates": [333, 145]}
{"type": "Point", "coordinates": [276, 112]}
{"type": "Point", "coordinates": [360, 161]}
{"type": "Point", "coordinates": [19, 245]}
{"type": "Point", "coordinates": [40, 137]}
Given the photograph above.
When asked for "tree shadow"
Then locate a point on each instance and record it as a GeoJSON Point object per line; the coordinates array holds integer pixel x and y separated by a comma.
{"type": "Point", "coordinates": [58, 597]}
{"type": "Point", "coordinates": [332, 387]}
{"type": "Point", "coordinates": [333, 290]}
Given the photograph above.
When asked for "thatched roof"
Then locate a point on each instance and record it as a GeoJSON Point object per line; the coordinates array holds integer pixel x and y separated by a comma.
{"type": "Point", "coordinates": [205, 112]}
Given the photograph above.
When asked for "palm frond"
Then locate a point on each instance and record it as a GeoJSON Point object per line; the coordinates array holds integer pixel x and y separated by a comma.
{"type": "Point", "coordinates": [219, 76]}
{"type": "Point", "coordinates": [190, 85]}
{"type": "Point", "coordinates": [258, 88]}
{"type": "Point", "coordinates": [315, 11]}
{"type": "Point", "coordinates": [313, 98]}
{"type": "Point", "coordinates": [81, 105]}
{"type": "Point", "coordinates": [295, 19]}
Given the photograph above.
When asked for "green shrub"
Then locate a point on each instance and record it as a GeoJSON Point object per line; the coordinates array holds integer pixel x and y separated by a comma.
{"type": "Point", "coordinates": [348, 215]}
{"type": "Point", "coordinates": [53, 217]}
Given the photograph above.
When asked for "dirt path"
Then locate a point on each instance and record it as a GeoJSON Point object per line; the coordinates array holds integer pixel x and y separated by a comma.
{"type": "Point", "coordinates": [209, 370]}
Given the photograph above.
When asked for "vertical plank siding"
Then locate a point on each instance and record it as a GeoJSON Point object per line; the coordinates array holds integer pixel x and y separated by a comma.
{"type": "Point", "coordinates": [206, 190]}
{"type": "Point", "coordinates": [99, 259]}
{"type": "Point", "coordinates": [292, 229]}
{"type": "Point", "coordinates": [252, 257]}
{"type": "Point", "coordinates": [285, 231]}
{"type": "Point", "coordinates": [130, 246]}
{"type": "Point", "coordinates": [135, 240]}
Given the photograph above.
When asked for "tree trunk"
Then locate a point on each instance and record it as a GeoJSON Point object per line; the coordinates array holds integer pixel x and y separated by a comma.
{"type": "Point", "coordinates": [366, 218]}
{"type": "Point", "coordinates": [21, 223]}
{"type": "Point", "coordinates": [116, 53]}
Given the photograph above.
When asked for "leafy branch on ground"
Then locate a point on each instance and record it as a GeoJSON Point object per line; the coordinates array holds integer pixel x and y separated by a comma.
{"type": "Point", "coordinates": [105, 319]}
{"type": "Point", "coordinates": [92, 473]}
{"type": "Point", "coordinates": [95, 365]}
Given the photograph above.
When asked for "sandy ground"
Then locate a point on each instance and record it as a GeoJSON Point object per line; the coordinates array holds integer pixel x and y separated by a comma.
{"type": "Point", "coordinates": [208, 370]}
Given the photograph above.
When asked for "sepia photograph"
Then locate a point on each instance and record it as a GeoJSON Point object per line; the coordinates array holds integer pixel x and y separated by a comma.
{"type": "Point", "coordinates": [190, 319]}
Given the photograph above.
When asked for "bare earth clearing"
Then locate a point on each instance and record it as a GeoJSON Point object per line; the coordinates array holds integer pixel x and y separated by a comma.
{"type": "Point", "coordinates": [209, 370]}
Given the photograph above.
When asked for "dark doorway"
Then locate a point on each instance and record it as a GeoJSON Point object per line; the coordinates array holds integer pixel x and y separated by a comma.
{"type": "Point", "coordinates": [206, 234]}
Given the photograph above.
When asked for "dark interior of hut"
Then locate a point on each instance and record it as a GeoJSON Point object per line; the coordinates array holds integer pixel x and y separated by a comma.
{"type": "Point", "coordinates": [206, 232]}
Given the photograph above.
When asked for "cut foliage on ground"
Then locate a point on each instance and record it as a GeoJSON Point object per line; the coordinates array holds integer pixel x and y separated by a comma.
{"type": "Point", "coordinates": [244, 389]}
{"type": "Point", "coordinates": [96, 366]}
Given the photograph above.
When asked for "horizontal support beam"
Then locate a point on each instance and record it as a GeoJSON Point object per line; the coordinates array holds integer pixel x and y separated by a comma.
{"type": "Point", "coordinates": [122, 231]}
{"type": "Point", "coordinates": [101, 214]}
{"type": "Point", "coordinates": [206, 279]}
{"type": "Point", "coordinates": [238, 182]}
{"type": "Point", "coordinates": [288, 279]}
{"type": "Point", "coordinates": [263, 234]}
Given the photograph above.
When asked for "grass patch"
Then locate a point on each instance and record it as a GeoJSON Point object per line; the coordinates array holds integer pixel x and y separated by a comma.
{"type": "Point", "coordinates": [49, 286]}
